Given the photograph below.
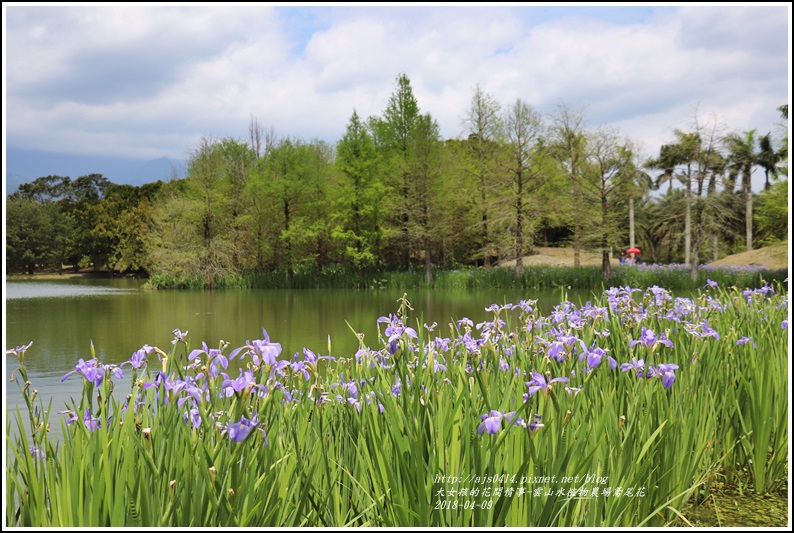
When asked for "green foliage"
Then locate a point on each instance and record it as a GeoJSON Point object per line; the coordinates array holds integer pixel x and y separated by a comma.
{"type": "Point", "coordinates": [338, 276]}
{"type": "Point", "coordinates": [771, 214]}
{"type": "Point", "coordinates": [425, 414]}
{"type": "Point", "coordinates": [91, 221]}
{"type": "Point", "coordinates": [393, 195]}
{"type": "Point", "coordinates": [359, 204]}
{"type": "Point", "coordinates": [36, 234]}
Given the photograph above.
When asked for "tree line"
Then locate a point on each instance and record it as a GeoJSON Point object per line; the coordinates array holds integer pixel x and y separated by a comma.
{"type": "Point", "coordinates": [391, 194]}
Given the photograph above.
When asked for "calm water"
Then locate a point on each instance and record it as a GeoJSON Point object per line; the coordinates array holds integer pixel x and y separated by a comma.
{"type": "Point", "coordinates": [63, 317]}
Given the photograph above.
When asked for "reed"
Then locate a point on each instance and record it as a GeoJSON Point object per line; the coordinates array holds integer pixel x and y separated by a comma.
{"type": "Point", "coordinates": [673, 277]}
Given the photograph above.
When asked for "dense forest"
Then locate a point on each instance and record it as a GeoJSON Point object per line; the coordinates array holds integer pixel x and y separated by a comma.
{"type": "Point", "coordinates": [393, 195]}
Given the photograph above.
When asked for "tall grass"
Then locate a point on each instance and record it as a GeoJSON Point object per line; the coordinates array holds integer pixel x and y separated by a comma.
{"type": "Point", "coordinates": [613, 413]}
{"type": "Point", "coordinates": [673, 277]}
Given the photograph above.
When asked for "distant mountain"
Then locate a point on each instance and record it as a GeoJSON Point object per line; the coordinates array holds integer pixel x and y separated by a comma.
{"type": "Point", "coordinates": [24, 166]}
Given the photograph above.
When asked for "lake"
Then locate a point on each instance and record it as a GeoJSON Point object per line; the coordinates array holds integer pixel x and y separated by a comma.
{"type": "Point", "coordinates": [63, 317]}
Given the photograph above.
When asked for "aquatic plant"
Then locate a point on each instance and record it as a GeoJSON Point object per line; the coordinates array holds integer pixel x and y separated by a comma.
{"type": "Point", "coordinates": [513, 421]}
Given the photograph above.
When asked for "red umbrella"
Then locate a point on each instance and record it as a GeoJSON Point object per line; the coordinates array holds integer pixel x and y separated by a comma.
{"type": "Point", "coordinates": [633, 251]}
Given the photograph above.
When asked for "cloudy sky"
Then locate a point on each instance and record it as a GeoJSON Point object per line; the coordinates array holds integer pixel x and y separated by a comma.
{"type": "Point", "coordinates": [150, 81]}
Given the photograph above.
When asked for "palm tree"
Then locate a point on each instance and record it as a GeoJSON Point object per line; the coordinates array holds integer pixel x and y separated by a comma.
{"type": "Point", "coordinates": [768, 159]}
{"type": "Point", "coordinates": [741, 160]}
{"type": "Point", "coordinates": [684, 152]}
{"type": "Point", "coordinates": [641, 183]}
{"type": "Point", "coordinates": [666, 162]}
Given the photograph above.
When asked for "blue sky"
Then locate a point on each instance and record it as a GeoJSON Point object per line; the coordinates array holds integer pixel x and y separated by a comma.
{"type": "Point", "coordinates": [144, 82]}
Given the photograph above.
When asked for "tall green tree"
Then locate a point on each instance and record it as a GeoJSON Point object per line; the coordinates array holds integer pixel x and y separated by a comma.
{"type": "Point", "coordinates": [675, 161]}
{"type": "Point", "coordinates": [768, 159]}
{"type": "Point", "coordinates": [47, 189]}
{"type": "Point", "coordinates": [237, 166]}
{"type": "Point", "coordinates": [36, 233]}
{"type": "Point", "coordinates": [568, 146]}
{"type": "Point", "coordinates": [484, 126]}
{"type": "Point", "coordinates": [523, 128]}
{"type": "Point", "coordinates": [701, 151]}
{"type": "Point", "coordinates": [424, 198]}
{"type": "Point", "coordinates": [295, 182]}
{"type": "Point", "coordinates": [192, 226]}
{"type": "Point", "coordinates": [392, 134]}
{"type": "Point", "coordinates": [772, 214]}
{"type": "Point", "coordinates": [359, 207]}
{"type": "Point", "coordinates": [607, 181]}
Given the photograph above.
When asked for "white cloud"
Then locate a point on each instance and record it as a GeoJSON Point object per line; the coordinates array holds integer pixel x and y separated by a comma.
{"type": "Point", "coordinates": [150, 81]}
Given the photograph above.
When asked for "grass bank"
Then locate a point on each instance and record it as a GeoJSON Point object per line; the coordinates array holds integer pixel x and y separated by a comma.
{"type": "Point", "coordinates": [672, 277]}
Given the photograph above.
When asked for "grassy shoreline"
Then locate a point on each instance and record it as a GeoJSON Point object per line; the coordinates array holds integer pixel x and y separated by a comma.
{"type": "Point", "coordinates": [548, 267]}
{"type": "Point", "coordinates": [673, 277]}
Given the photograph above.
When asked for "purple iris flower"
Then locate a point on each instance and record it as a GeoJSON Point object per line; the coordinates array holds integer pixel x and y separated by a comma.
{"type": "Point", "coordinates": [492, 422]}
{"type": "Point", "coordinates": [665, 371]}
{"type": "Point", "coordinates": [363, 353]}
{"type": "Point", "coordinates": [299, 367]}
{"type": "Point", "coordinates": [138, 358]}
{"type": "Point", "coordinates": [557, 351]}
{"type": "Point", "coordinates": [312, 358]}
{"type": "Point", "coordinates": [594, 357]}
{"type": "Point", "coordinates": [178, 336]}
{"type": "Point", "coordinates": [702, 330]}
{"type": "Point", "coordinates": [93, 371]}
{"type": "Point", "coordinates": [744, 340]}
{"type": "Point", "coordinates": [784, 324]}
{"type": "Point", "coordinates": [262, 351]}
{"type": "Point", "coordinates": [488, 327]}
{"type": "Point", "coordinates": [215, 358]}
{"type": "Point", "coordinates": [638, 365]}
{"type": "Point", "coordinates": [472, 345]}
{"type": "Point", "coordinates": [192, 391]}
{"type": "Point", "coordinates": [649, 338]}
{"type": "Point", "coordinates": [496, 309]}
{"type": "Point", "coordinates": [395, 331]}
{"type": "Point", "coordinates": [526, 305]}
{"type": "Point", "coordinates": [193, 417]}
{"type": "Point", "coordinates": [172, 387]}
{"type": "Point", "coordinates": [36, 453]}
{"type": "Point", "coordinates": [538, 382]}
{"type": "Point", "coordinates": [659, 294]}
{"type": "Point", "coordinates": [465, 322]}
{"type": "Point", "coordinates": [711, 283]}
{"type": "Point", "coordinates": [239, 431]}
{"type": "Point", "coordinates": [88, 370]}
{"type": "Point", "coordinates": [92, 423]}
{"type": "Point", "coordinates": [243, 381]}
{"type": "Point", "coordinates": [19, 351]}
{"type": "Point", "coordinates": [442, 343]}
{"type": "Point", "coordinates": [72, 417]}
{"type": "Point", "coordinates": [536, 423]}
